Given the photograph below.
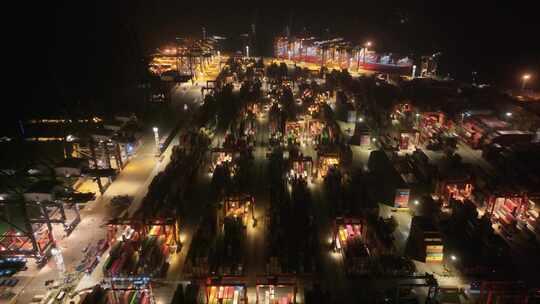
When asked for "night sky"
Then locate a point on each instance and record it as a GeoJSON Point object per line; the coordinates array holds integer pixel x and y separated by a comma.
{"type": "Point", "coordinates": [90, 51]}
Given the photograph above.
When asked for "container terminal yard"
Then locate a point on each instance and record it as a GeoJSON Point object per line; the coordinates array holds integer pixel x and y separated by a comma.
{"type": "Point", "coordinates": [328, 170]}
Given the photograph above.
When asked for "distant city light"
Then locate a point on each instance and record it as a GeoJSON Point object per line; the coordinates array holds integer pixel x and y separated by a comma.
{"type": "Point", "coordinates": [360, 119]}
{"type": "Point", "coordinates": [524, 80]}
{"type": "Point", "coordinates": [508, 114]}
{"type": "Point", "coordinates": [156, 140]}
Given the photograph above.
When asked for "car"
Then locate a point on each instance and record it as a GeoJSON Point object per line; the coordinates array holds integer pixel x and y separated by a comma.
{"type": "Point", "coordinates": [13, 282]}
{"type": "Point", "coordinates": [60, 295]}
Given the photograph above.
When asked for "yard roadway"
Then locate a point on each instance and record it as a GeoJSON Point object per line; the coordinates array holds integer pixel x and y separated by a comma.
{"type": "Point", "coordinates": [133, 180]}
{"type": "Point", "coordinates": [130, 181]}
{"type": "Point", "coordinates": [401, 235]}
{"type": "Point", "coordinates": [255, 255]}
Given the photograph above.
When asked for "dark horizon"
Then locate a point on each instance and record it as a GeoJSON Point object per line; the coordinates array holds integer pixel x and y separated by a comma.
{"type": "Point", "coordinates": [91, 51]}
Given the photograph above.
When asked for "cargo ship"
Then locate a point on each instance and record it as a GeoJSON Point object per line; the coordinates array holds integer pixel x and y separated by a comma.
{"type": "Point", "coordinates": [338, 53]}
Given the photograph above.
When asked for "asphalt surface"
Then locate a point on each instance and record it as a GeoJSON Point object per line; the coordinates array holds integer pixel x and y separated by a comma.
{"type": "Point", "coordinates": [138, 174]}
{"type": "Point", "coordinates": [133, 180]}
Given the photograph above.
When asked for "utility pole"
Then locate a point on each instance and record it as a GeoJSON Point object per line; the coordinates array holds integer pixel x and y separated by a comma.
{"type": "Point", "coordinates": [118, 156]}
{"type": "Point", "coordinates": [358, 60]}
{"type": "Point", "coordinates": [178, 58]}
{"type": "Point", "coordinates": [94, 158]}
{"type": "Point", "coordinates": [107, 154]}
{"type": "Point", "coordinates": [253, 35]}
{"type": "Point", "coordinates": [253, 40]}
{"type": "Point", "coordinates": [156, 140]}
{"type": "Point", "coordinates": [289, 26]}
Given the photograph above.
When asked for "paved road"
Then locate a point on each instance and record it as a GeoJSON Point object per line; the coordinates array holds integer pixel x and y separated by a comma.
{"type": "Point", "coordinates": [332, 270]}
{"type": "Point", "coordinates": [133, 180]}
{"type": "Point", "coordinates": [468, 156]}
{"type": "Point", "coordinates": [135, 175]}
{"type": "Point", "coordinates": [401, 235]}
{"type": "Point", "coordinates": [255, 255]}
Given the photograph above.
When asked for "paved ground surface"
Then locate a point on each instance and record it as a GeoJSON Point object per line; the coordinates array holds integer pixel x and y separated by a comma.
{"type": "Point", "coordinates": [130, 181]}
{"type": "Point", "coordinates": [133, 181]}
{"type": "Point", "coordinates": [137, 175]}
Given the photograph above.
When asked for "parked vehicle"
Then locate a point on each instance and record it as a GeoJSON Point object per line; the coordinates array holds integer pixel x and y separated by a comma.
{"type": "Point", "coordinates": [60, 295]}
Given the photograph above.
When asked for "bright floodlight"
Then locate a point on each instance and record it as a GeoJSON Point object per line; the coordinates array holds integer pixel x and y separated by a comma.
{"type": "Point", "coordinates": [526, 76]}
{"type": "Point", "coordinates": [360, 119]}
{"type": "Point", "coordinates": [155, 129]}
{"type": "Point", "coordinates": [368, 43]}
{"type": "Point", "coordinates": [416, 202]}
{"type": "Point", "coordinates": [417, 114]}
{"type": "Point", "coordinates": [453, 257]}
{"type": "Point", "coordinates": [508, 114]}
